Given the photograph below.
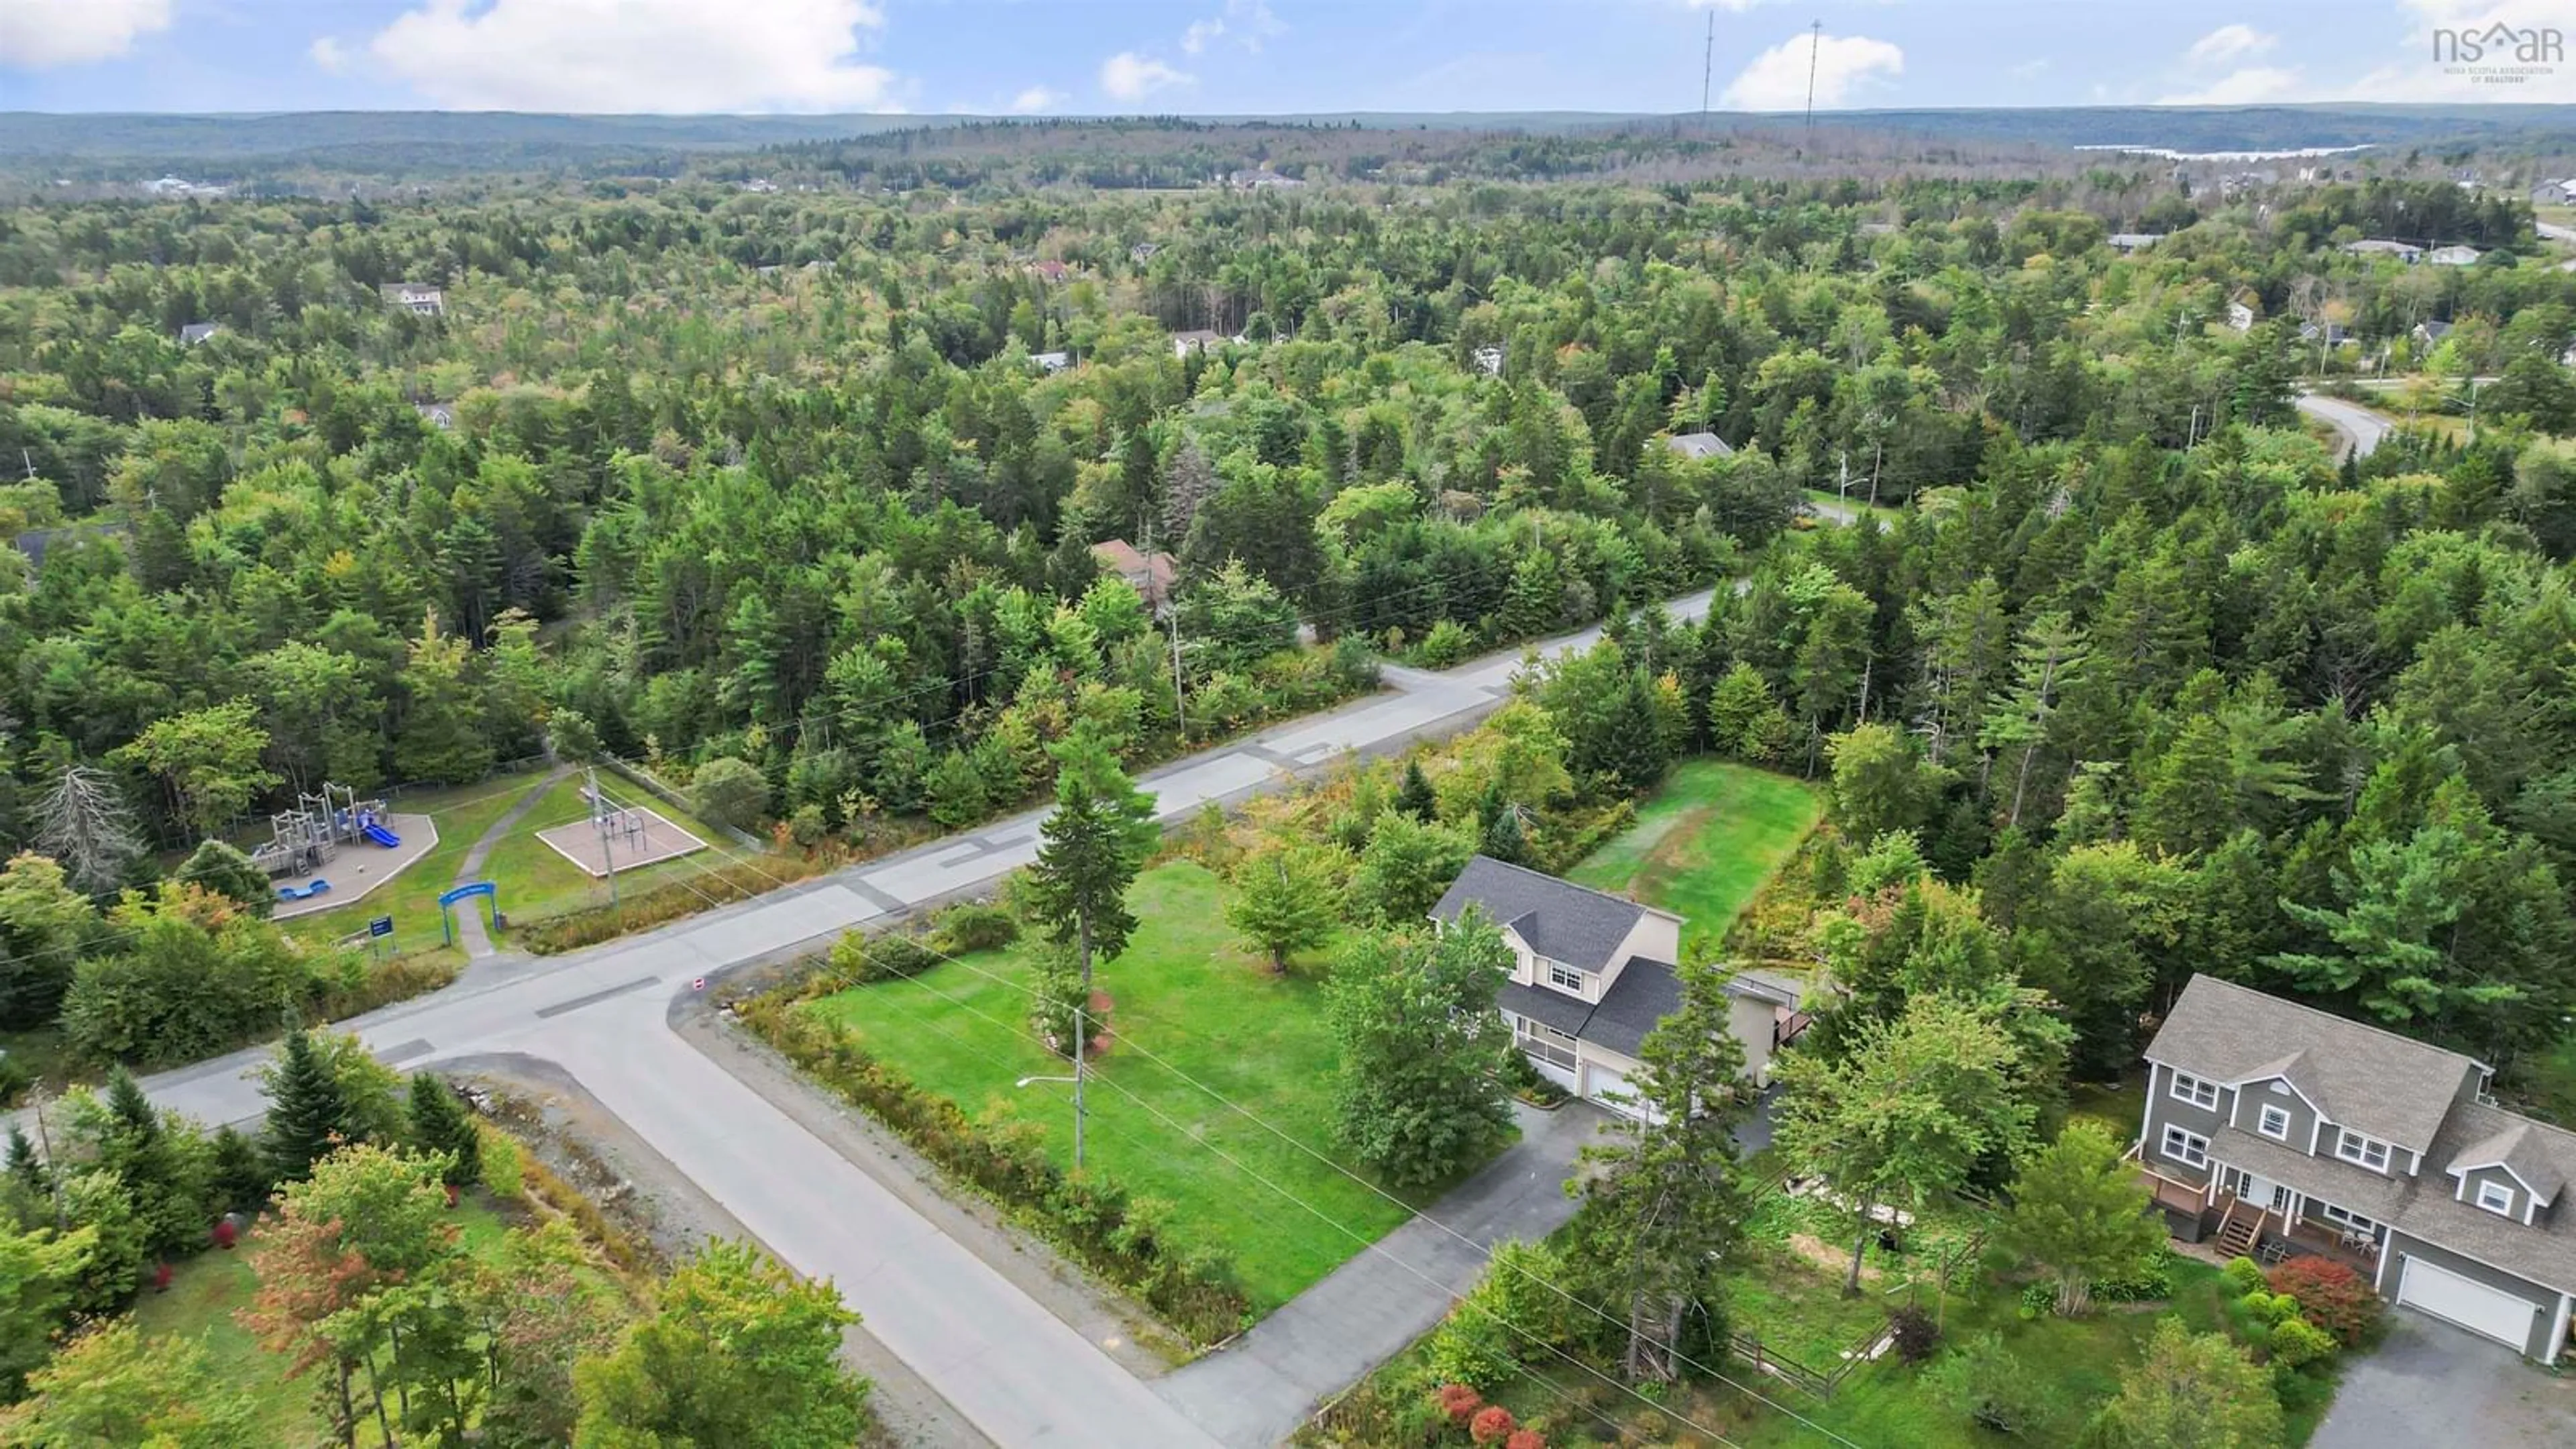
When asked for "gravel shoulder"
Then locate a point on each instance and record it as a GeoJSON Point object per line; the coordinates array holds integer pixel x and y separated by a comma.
{"type": "Point", "coordinates": [592, 1148]}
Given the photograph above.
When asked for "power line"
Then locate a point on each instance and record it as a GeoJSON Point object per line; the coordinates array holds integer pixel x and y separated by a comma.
{"type": "Point", "coordinates": [1471, 1244]}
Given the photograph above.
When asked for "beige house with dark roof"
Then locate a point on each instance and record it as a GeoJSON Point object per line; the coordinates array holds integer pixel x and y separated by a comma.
{"type": "Point", "coordinates": [2281, 1130]}
{"type": "Point", "coordinates": [1592, 973]}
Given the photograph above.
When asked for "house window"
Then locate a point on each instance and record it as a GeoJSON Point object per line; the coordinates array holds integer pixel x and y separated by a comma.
{"type": "Point", "coordinates": [2368, 1151]}
{"type": "Point", "coordinates": [2274, 1123]}
{"type": "Point", "coordinates": [1564, 978]}
{"type": "Point", "coordinates": [2495, 1197]}
{"type": "Point", "coordinates": [2354, 1221]}
{"type": "Point", "coordinates": [2188, 1148]}
{"type": "Point", "coordinates": [2188, 1088]}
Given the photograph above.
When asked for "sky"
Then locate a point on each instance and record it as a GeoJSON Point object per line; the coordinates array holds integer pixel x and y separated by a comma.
{"type": "Point", "coordinates": [1247, 57]}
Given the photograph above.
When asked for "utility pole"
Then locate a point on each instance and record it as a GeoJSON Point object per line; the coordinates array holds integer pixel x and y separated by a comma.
{"type": "Point", "coordinates": [1815, 41]}
{"type": "Point", "coordinates": [1180, 717]}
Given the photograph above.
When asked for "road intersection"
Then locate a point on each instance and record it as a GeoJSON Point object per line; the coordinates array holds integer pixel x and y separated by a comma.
{"type": "Point", "coordinates": [1002, 1360]}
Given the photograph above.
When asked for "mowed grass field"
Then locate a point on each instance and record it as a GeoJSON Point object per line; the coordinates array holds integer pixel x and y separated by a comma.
{"type": "Point", "coordinates": [1704, 845]}
{"type": "Point", "coordinates": [462, 814]}
{"type": "Point", "coordinates": [1222, 1031]}
{"type": "Point", "coordinates": [536, 881]}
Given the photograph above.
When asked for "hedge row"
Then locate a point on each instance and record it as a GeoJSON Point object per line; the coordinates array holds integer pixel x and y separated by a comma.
{"type": "Point", "coordinates": [662, 904]}
{"type": "Point", "coordinates": [1121, 1238]}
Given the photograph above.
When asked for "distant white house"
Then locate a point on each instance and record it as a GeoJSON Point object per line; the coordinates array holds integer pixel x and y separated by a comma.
{"type": "Point", "coordinates": [1489, 361]}
{"type": "Point", "coordinates": [1143, 252]}
{"type": "Point", "coordinates": [439, 415]}
{"type": "Point", "coordinates": [1263, 179]}
{"type": "Point", "coordinates": [2128, 242]}
{"type": "Point", "coordinates": [2429, 335]}
{"type": "Point", "coordinates": [2243, 310]}
{"type": "Point", "coordinates": [418, 298]}
{"type": "Point", "coordinates": [2405, 252]}
{"type": "Point", "coordinates": [1051, 363]}
{"type": "Point", "coordinates": [1198, 339]}
{"type": "Point", "coordinates": [1699, 445]}
{"type": "Point", "coordinates": [2453, 256]}
{"type": "Point", "coordinates": [196, 332]}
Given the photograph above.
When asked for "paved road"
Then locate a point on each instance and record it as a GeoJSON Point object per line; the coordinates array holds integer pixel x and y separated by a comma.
{"type": "Point", "coordinates": [2431, 1384]}
{"type": "Point", "coordinates": [1009, 1366]}
{"type": "Point", "coordinates": [2361, 428]}
{"type": "Point", "coordinates": [2551, 232]}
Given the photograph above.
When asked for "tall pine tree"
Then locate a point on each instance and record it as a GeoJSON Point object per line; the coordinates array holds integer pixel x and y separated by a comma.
{"type": "Point", "coordinates": [307, 1111]}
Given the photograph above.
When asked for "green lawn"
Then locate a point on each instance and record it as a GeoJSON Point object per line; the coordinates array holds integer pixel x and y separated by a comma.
{"type": "Point", "coordinates": [1186, 992]}
{"type": "Point", "coordinates": [208, 1289]}
{"type": "Point", "coordinates": [536, 881]}
{"type": "Point", "coordinates": [462, 814]}
{"type": "Point", "coordinates": [1887, 1403]}
{"type": "Point", "coordinates": [2117, 1110]}
{"type": "Point", "coordinates": [1858, 503]}
{"type": "Point", "coordinates": [1705, 844]}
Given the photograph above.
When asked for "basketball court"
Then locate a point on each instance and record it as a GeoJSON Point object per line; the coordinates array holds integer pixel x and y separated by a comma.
{"type": "Point", "coordinates": [634, 836]}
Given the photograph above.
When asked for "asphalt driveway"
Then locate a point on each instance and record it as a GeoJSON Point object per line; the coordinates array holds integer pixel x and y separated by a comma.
{"type": "Point", "coordinates": [2431, 1384]}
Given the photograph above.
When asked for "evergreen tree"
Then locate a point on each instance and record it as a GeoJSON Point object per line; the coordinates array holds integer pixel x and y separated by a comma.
{"type": "Point", "coordinates": [440, 1127]}
{"type": "Point", "coordinates": [237, 1174]}
{"type": "Point", "coordinates": [1414, 795]}
{"type": "Point", "coordinates": [308, 1115]}
{"type": "Point", "coordinates": [1658, 1217]}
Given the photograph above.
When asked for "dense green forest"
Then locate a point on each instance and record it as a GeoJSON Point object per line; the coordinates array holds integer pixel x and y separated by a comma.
{"type": "Point", "coordinates": [785, 480]}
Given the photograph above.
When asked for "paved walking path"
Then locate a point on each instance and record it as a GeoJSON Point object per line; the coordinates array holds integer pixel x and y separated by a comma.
{"type": "Point", "coordinates": [1254, 1393]}
{"type": "Point", "coordinates": [469, 924]}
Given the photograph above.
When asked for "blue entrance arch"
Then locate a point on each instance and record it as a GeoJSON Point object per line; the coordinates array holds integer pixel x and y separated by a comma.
{"type": "Point", "coordinates": [491, 907]}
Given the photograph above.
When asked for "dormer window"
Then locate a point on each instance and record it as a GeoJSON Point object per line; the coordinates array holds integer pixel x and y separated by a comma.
{"type": "Point", "coordinates": [2369, 1152]}
{"type": "Point", "coordinates": [1564, 977]}
{"type": "Point", "coordinates": [2496, 1198]}
{"type": "Point", "coordinates": [2199, 1093]}
{"type": "Point", "coordinates": [2275, 1123]}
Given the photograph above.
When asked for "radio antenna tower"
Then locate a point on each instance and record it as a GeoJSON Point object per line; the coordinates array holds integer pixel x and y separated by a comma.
{"type": "Point", "coordinates": [1815, 38]}
{"type": "Point", "coordinates": [1707, 59]}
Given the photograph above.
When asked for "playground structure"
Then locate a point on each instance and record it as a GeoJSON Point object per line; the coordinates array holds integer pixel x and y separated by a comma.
{"type": "Point", "coordinates": [303, 856]}
{"type": "Point", "coordinates": [304, 839]}
{"type": "Point", "coordinates": [617, 837]}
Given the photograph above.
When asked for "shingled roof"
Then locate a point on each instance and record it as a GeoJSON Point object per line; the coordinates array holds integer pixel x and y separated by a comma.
{"type": "Point", "coordinates": [1559, 919]}
{"type": "Point", "coordinates": [2372, 1081]}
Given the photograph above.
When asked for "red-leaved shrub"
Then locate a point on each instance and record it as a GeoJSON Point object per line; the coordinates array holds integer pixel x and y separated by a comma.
{"type": "Point", "coordinates": [2330, 1295]}
{"type": "Point", "coordinates": [226, 1234]}
{"type": "Point", "coordinates": [1492, 1425]}
{"type": "Point", "coordinates": [161, 1276]}
{"type": "Point", "coordinates": [1460, 1402]}
{"type": "Point", "coordinates": [1526, 1439]}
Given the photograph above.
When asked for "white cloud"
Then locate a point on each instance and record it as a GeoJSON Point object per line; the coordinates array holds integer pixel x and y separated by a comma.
{"type": "Point", "coordinates": [327, 54]}
{"type": "Point", "coordinates": [2229, 43]}
{"type": "Point", "coordinates": [40, 34]}
{"type": "Point", "coordinates": [1248, 21]}
{"type": "Point", "coordinates": [639, 55]}
{"type": "Point", "coordinates": [1128, 76]}
{"type": "Point", "coordinates": [2032, 68]}
{"type": "Point", "coordinates": [2247, 86]}
{"type": "Point", "coordinates": [1037, 98]}
{"type": "Point", "coordinates": [1843, 64]}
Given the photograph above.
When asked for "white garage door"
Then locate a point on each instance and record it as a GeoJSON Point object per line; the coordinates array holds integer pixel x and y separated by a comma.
{"type": "Point", "coordinates": [2499, 1315]}
{"type": "Point", "coordinates": [1609, 1087]}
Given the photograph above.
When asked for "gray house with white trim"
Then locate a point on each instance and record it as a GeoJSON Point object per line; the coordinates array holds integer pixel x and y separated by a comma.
{"type": "Point", "coordinates": [1592, 973]}
{"type": "Point", "coordinates": [2282, 1130]}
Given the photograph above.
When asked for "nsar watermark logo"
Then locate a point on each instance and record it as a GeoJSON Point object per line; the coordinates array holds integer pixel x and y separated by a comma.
{"type": "Point", "coordinates": [2500, 55]}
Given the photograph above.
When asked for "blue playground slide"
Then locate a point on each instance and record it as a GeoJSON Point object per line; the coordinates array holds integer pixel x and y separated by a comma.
{"type": "Point", "coordinates": [293, 893]}
{"type": "Point", "coordinates": [380, 835]}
